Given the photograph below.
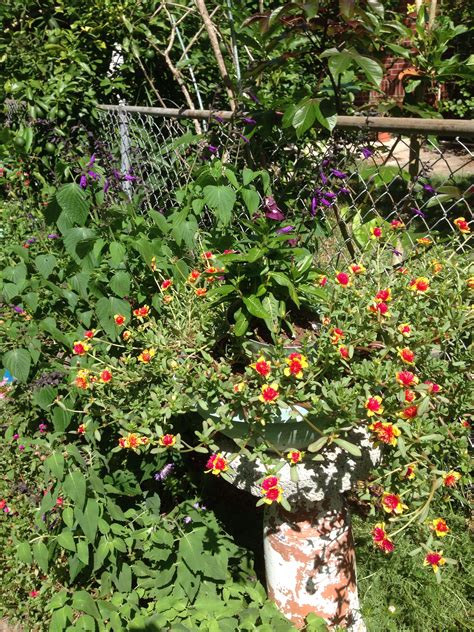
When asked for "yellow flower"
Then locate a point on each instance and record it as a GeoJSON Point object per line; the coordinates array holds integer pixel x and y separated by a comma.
{"type": "Point", "coordinates": [146, 355]}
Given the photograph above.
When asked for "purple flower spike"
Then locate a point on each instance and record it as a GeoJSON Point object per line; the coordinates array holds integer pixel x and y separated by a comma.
{"type": "Point", "coordinates": [285, 230]}
{"type": "Point", "coordinates": [212, 149]}
{"type": "Point", "coordinates": [416, 211]}
{"type": "Point", "coordinates": [343, 191]}
{"type": "Point", "coordinates": [249, 121]}
{"type": "Point", "coordinates": [325, 202]}
{"type": "Point", "coordinates": [18, 309]}
{"type": "Point", "coordinates": [93, 175]}
{"type": "Point", "coordinates": [330, 195]}
{"type": "Point", "coordinates": [106, 185]}
{"type": "Point", "coordinates": [164, 473]}
{"type": "Point", "coordinates": [429, 188]}
{"type": "Point", "coordinates": [31, 240]}
{"type": "Point", "coordinates": [218, 118]}
{"type": "Point", "coordinates": [339, 174]}
{"type": "Point", "coordinates": [129, 178]}
{"type": "Point", "coordinates": [273, 211]}
{"type": "Point", "coordinates": [53, 236]}
{"type": "Point", "coordinates": [83, 181]}
{"type": "Point", "coordinates": [253, 97]}
{"type": "Point", "coordinates": [324, 178]}
{"type": "Point", "coordinates": [366, 152]}
{"type": "Point", "coordinates": [244, 138]}
{"type": "Point", "coordinates": [396, 252]}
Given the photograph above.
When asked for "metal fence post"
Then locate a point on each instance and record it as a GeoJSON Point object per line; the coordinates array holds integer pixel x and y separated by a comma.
{"type": "Point", "coordinates": [125, 164]}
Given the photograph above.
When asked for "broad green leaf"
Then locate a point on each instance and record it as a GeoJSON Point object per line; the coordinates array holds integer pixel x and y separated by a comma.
{"type": "Point", "coordinates": [304, 116]}
{"type": "Point", "coordinates": [81, 600]}
{"type": "Point", "coordinates": [55, 464]}
{"type": "Point", "coordinates": [41, 555]}
{"type": "Point", "coordinates": [74, 203]}
{"type": "Point", "coordinates": [255, 307]}
{"type": "Point", "coordinates": [117, 252]}
{"type": "Point", "coordinates": [251, 199]}
{"type": "Point", "coordinates": [18, 362]}
{"type": "Point", "coordinates": [348, 447]}
{"type": "Point", "coordinates": [44, 397]}
{"type": "Point", "coordinates": [45, 264]}
{"type": "Point", "coordinates": [57, 601]}
{"type": "Point", "coordinates": [124, 582]}
{"type": "Point", "coordinates": [83, 551]}
{"type": "Point", "coordinates": [66, 540]}
{"type": "Point", "coordinates": [371, 68]}
{"type": "Point", "coordinates": [89, 519]}
{"type": "Point", "coordinates": [220, 199]}
{"type": "Point", "coordinates": [120, 283]}
{"type": "Point", "coordinates": [23, 553]}
{"type": "Point", "coordinates": [241, 323]}
{"type": "Point", "coordinates": [79, 241]}
{"type": "Point", "coordinates": [75, 488]}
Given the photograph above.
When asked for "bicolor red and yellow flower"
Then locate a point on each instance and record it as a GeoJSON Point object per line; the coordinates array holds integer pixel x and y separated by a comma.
{"type": "Point", "coordinates": [167, 440]}
{"type": "Point", "coordinates": [357, 268]}
{"type": "Point", "coordinates": [343, 279]}
{"type": "Point", "coordinates": [410, 472]}
{"type": "Point", "coordinates": [296, 363]}
{"type": "Point", "coordinates": [201, 291]}
{"type": "Point", "coordinates": [420, 285]}
{"type": "Point", "coordinates": [141, 312]}
{"type": "Point", "coordinates": [295, 456]}
{"type": "Point", "coordinates": [89, 333]}
{"type": "Point", "coordinates": [82, 379]}
{"type": "Point", "coordinates": [433, 388]}
{"type": "Point", "coordinates": [105, 376]}
{"type": "Point", "coordinates": [271, 490]}
{"type": "Point", "coordinates": [269, 393]}
{"type": "Point", "coordinates": [119, 319]}
{"type": "Point", "coordinates": [381, 539]}
{"type": "Point", "coordinates": [344, 352]}
{"type": "Point", "coordinates": [407, 355]}
{"type": "Point", "coordinates": [451, 478]}
{"type": "Point", "coordinates": [437, 267]}
{"type": "Point", "coordinates": [405, 329]}
{"type": "Point", "coordinates": [434, 559]}
{"type": "Point", "coordinates": [385, 432]}
{"type": "Point", "coordinates": [375, 232]}
{"type": "Point", "coordinates": [373, 406]}
{"type": "Point", "coordinates": [336, 335]}
{"type": "Point", "coordinates": [408, 413]}
{"type": "Point", "coordinates": [216, 464]}
{"type": "Point", "coordinates": [193, 276]}
{"type": "Point", "coordinates": [132, 441]}
{"type": "Point", "coordinates": [406, 378]}
{"type": "Point", "coordinates": [384, 296]}
{"type": "Point", "coordinates": [424, 241]}
{"type": "Point", "coordinates": [147, 355]}
{"type": "Point", "coordinates": [397, 224]}
{"type": "Point", "coordinates": [262, 366]}
{"type": "Point", "coordinates": [167, 283]}
{"type": "Point", "coordinates": [379, 308]}
{"type": "Point", "coordinates": [80, 348]}
{"type": "Point", "coordinates": [462, 225]}
{"type": "Point", "coordinates": [392, 503]}
{"type": "Point", "coordinates": [440, 527]}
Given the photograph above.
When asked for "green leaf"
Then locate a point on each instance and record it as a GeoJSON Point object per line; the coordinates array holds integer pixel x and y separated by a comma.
{"type": "Point", "coordinates": [88, 521]}
{"type": "Point", "coordinates": [44, 397]}
{"type": "Point", "coordinates": [55, 464]}
{"type": "Point", "coordinates": [318, 444]}
{"type": "Point", "coordinates": [241, 323]}
{"type": "Point", "coordinates": [251, 199]}
{"type": "Point", "coordinates": [255, 307]}
{"type": "Point", "coordinates": [82, 601]}
{"type": "Point", "coordinates": [120, 283]}
{"type": "Point", "coordinates": [23, 552]}
{"type": "Point", "coordinates": [66, 540]}
{"type": "Point", "coordinates": [83, 552]}
{"type": "Point", "coordinates": [371, 68]}
{"type": "Point", "coordinates": [221, 200]}
{"type": "Point", "coordinates": [124, 582]}
{"type": "Point", "coordinates": [45, 264]}
{"type": "Point", "coordinates": [79, 241]}
{"type": "Point", "coordinates": [73, 201]}
{"type": "Point", "coordinates": [117, 252]}
{"type": "Point", "coordinates": [18, 362]}
{"type": "Point", "coordinates": [75, 488]}
{"type": "Point", "coordinates": [57, 601]}
{"type": "Point", "coordinates": [304, 116]}
{"type": "Point", "coordinates": [41, 555]}
{"type": "Point", "coordinates": [348, 447]}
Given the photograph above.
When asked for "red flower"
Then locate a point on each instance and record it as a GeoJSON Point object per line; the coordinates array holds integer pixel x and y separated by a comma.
{"type": "Point", "coordinates": [81, 429]}
{"type": "Point", "coordinates": [343, 279]}
{"type": "Point", "coordinates": [207, 255]}
{"type": "Point", "coordinates": [269, 393]}
{"type": "Point", "coordinates": [385, 432]}
{"type": "Point", "coordinates": [357, 268]}
{"type": "Point", "coordinates": [409, 395]}
{"type": "Point", "coordinates": [406, 378]}
{"type": "Point", "coordinates": [374, 406]}
{"type": "Point", "coordinates": [89, 333]}
{"type": "Point", "coordinates": [432, 387]}
{"type": "Point", "coordinates": [397, 224]}
{"type": "Point", "coordinates": [407, 355]}
{"type": "Point", "coordinates": [410, 472]}
{"type": "Point", "coordinates": [344, 352]}
{"type": "Point", "coordinates": [435, 560]}
{"type": "Point", "coordinates": [392, 503]}
{"type": "Point", "coordinates": [59, 502]}
{"type": "Point", "coordinates": [336, 335]}
{"type": "Point", "coordinates": [404, 329]}
{"type": "Point", "coordinates": [105, 376]}
{"type": "Point", "coordinates": [34, 593]}
{"type": "Point", "coordinates": [141, 312]}
{"type": "Point", "coordinates": [193, 276]}
{"type": "Point", "coordinates": [451, 478]}
{"type": "Point", "coordinates": [201, 291]}
{"type": "Point", "coordinates": [323, 280]}
{"type": "Point", "coordinates": [463, 226]}
{"type": "Point", "coordinates": [419, 285]}
{"type": "Point", "coordinates": [272, 495]}
{"type": "Point", "coordinates": [380, 538]}
{"type": "Point", "coordinates": [119, 319]}
{"type": "Point", "coordinates": [166, 284]}
{"type": "Point", "coordinates": [81, 348]}
{"type": "Point", "coordinates": [262, 367]}
{"type": "Point", "coordinates": [375, 232]}
{"type": "Point", "coordinates": [440, 527]}
{"type": "Point", "coordinates": [3, 504]}
{"type": "Point", "coordinates": [296, 363]}
{"type": "Point", "coordinates": [167, 440]}
{"type": "Point", "coordinates": [295, 456]}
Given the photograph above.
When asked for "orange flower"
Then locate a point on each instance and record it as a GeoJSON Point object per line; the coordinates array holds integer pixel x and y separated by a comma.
{"type": "Point", "coordinates": [463, 226]}
{"type": "Point", "coordinates": [405, 329]}
{"type": "Point", "coordinates": [167, 298]}
{"type": "Point", "coordinates": [424, 241]}
{"type": "Point", "coordinates": [201, 291]}
{"type": "Point", "coordinates": [262, 367]}
{"type": "Point", "coordinates": [296, 363]}
{"type": "Point", "coordinates": [166, 284]}
{"type": "Point", "coordinates": [470, 283]}
{"type": "Point", "coordinates": [146, 355]}
{"type": "Point", "coordinates": [407, 355]}
{"type": "Point", "coordinates": [216, 464]}
{"type": "Point", "coordinates": [375, 232]}
{"type": "Point", "coordinates": [437, 267]}
{"type": "Point", "coordinates": [269, 393]}
{"type": "Point", "coordinates": [81, 348]}
{"type": "Point", "coordinates": [357, 268]}
{"type": "Point", "coordinates": [336, 335]}
{"type": "Point", "coordinates": [440, 527]}
{"type": "Point", "coordinates": [374, 406]}
{"type": "Point", "coordinates": [343, 279]}
{"type": "Point", "coordinates": [384, 296]}
{"type": "Point", "coordinates": [451, 478]}
{"type": "Point", "coordinates": [381, 539]}
{"type": "Point", "coordinates": [385, 432]}
{"type": "Point", "coordinates": [434, 559]}
{"type": "Point", "coordinates": [344, 352]}
{"type": "Point", "coordinates": [406, 378]}
{"type": "Point", "coordinates": [81, 380]}
{"type": "Point", "coordinates": [105, 376]}
{"type": "Point", "coordinates": [167, 440]}
{"type": "Point", "coordinates": [397, 224]}
{"type": "Point", "coordinates": [419, 285]}
{"type": "Point", "coordinates": [239, 387]}
{"type": "Point", "coordinates": [89, 333]}
{"type": "Point", "coordinates": [392, 503]}
{"type": "Point", "coordinates": [119, 319]}
{"type": "Point", "coordinates": [132, 441]}
{"type": "Point", "coordinates": [141, 312]}
{"type": "Point", "coordinates": [295, 456]}
{"type": "Point", "coordinates": [193, 276]}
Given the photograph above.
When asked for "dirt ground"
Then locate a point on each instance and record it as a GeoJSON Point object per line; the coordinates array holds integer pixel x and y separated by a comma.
{"type": "Point", "coordinates": [451, 157]}
{"type": "Point", "coordinates": [6, 627]}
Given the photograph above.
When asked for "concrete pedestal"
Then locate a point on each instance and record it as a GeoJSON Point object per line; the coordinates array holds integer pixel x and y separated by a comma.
{"type": "Point", "coordinates": [309, 552]}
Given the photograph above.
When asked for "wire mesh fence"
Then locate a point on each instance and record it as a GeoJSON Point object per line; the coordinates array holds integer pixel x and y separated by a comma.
{"type": "Point", "coordinates": [352, 177]}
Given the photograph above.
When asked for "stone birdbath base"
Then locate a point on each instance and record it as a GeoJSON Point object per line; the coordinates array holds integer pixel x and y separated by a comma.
{"type": "Point", "coordinates": [309, 552]}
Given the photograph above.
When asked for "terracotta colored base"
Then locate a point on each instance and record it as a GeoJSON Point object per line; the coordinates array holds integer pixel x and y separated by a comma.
{"type": "Point", "coordinates": [310, 563]}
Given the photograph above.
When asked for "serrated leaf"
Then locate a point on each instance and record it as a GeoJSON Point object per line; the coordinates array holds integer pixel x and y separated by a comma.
{"type": "Point", "coordinates": [45, 264]}
{"type": "Point", "coordinates": [18, 362]}
{"type": "Point", "coordinates": [221, 200]}
{"type": "Point", "coordinates": [120, 283]}
{"type": "Point", "coordinates": [73, 202]}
